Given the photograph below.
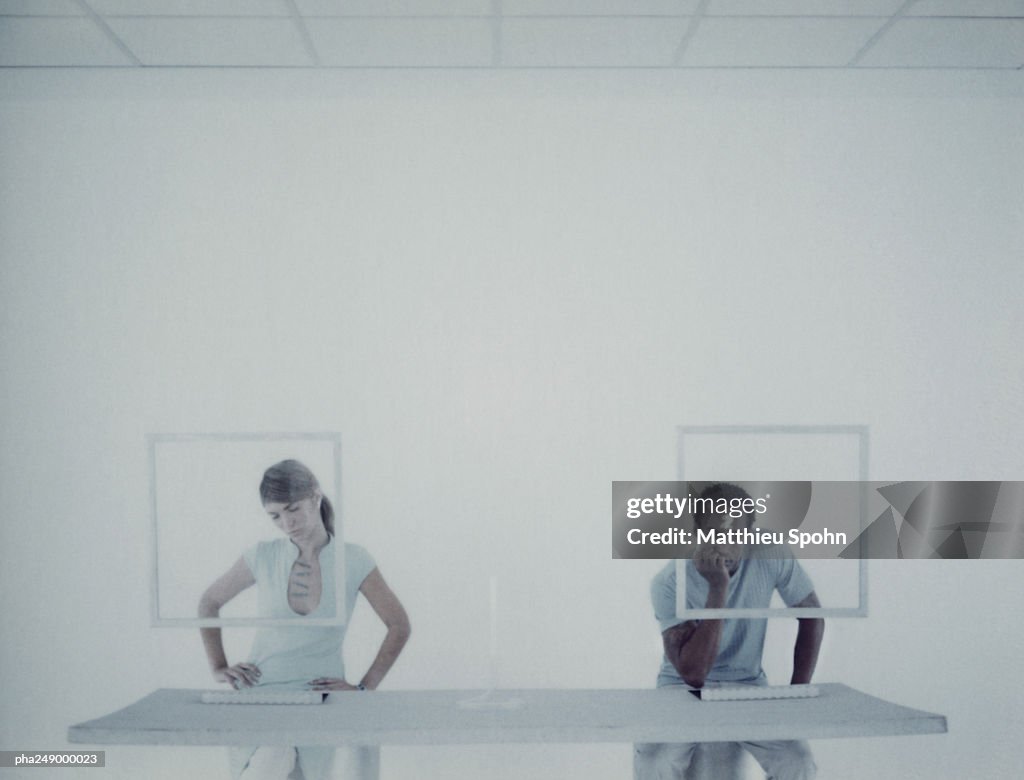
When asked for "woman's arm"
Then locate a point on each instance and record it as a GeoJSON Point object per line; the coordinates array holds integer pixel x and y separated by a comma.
{"type": "Point", "coordinates": [390, 610]}
{"type": "Point", "coordinates": [226, 587]}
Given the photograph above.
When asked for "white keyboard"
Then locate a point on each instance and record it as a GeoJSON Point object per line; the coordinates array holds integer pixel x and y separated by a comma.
{"type": "Point", "coordinates": [754, 692]}
{"type": "Point", "coordinates": [256, 696]}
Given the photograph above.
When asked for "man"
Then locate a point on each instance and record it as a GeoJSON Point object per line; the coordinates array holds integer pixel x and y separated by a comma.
{"type": "Point", "coordinates": [702, 652]}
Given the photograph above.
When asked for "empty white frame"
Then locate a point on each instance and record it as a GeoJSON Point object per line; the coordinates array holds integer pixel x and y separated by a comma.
{"type": "Point", "coordinates": [206, 512]}
{"type": "Point", "coordinates": [758, 453]}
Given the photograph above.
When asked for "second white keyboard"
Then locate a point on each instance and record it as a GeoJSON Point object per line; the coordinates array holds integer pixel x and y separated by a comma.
{"type": "Point", "coordinates": [754, 692]}
{"type": "Point", "coordinates": [256, 696]}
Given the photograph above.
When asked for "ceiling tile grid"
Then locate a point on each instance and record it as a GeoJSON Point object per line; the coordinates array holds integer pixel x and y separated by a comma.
{"type": "Point", "coordinates": [804, 7]}
{"type": "Point", "coordinates": [950, 43]}
{"type": "Point", "coordinates": [402, 42]}
{"type": "Point", "coordinates": [189, 7]}
{"type": "Point", "coordinates": [590, 42]}
{"type": "Point", "coordinates": [190, 41]}
{"type": "Point", "coordinates": [411, 8]}
{"type": "Point", "coordinates": [792, 41]}
{"type": "Point", "coordinates": [29, 41]}
{"type": "Point", "coordinates": [41, 8]}
{"type": "Point", "coordinates": [846, 34]}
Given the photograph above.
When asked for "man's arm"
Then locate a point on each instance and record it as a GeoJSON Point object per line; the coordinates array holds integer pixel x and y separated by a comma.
{"type": "Point", "coordinates": [808, 642]}
{"type": "Point", "coordinates": [693, 646]}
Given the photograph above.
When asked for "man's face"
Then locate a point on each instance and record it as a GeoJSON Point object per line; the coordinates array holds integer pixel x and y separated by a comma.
{"type": "Point", "coordinates": [724, 523]}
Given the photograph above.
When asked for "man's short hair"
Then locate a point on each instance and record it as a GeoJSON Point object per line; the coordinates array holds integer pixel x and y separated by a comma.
{"type": "Point", "coordinates": [713, 495]}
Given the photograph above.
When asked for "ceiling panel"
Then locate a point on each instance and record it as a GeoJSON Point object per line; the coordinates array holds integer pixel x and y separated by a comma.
{"type": "Point", "coordinates": [41, 8]}
{"type": "Point", "coordinates": [598, 7]}
{"type": "Point", "coordinates": [940, 43]}
{"type": "Point", "coordinates": [513, 33]}
{"type": "Point", "coordinates": [190, 7]}
{"type": "Point", "coordinates": [403, 42]}
{"type": "Point", "coordinates": [784, 42]}
{"type": "Point", "coordinates": [211, 41]}
{"type": "Point", "coordinates": [394, 7]}
{"type": "Point", "coordinates": [35, 41]}
{"type": "Point", "coordinates": [803, 7]}
{"type": "Point", "coordinates": [583, 42]}
{"type": "Point", "coordinates": [973, 8]}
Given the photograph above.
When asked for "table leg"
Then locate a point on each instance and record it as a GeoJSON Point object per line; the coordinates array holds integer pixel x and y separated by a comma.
{"type": "Point", "coordinates": [366, 762]}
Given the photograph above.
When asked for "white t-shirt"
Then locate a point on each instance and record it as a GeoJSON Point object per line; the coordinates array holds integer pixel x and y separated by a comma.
{"type": "Point", "coordinates": [291, 656]}
{"type": "Point", "coordinates": [294, 655]}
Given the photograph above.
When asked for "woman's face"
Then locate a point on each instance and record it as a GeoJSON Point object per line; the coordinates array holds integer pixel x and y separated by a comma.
{"type": "Point", "coordinates": [299, 519]}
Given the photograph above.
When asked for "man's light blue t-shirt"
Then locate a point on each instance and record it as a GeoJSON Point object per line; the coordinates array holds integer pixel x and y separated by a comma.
{"type": "Point", "coordinates": [742, 642]}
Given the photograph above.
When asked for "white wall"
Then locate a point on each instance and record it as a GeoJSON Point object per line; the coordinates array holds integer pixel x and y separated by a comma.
{"type": "Point", "coordinates": [505, 290]}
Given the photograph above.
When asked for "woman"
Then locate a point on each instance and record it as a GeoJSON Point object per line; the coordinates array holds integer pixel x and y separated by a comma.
{"type": "Point", "coordinates": [295, 576]}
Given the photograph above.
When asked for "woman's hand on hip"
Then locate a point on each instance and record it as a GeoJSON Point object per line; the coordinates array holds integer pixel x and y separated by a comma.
{"type": "Point", "coordinates": [331, 684]}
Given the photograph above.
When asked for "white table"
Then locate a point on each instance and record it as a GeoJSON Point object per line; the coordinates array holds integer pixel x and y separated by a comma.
{"type": "Point", "coordinates": [177, 717]}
